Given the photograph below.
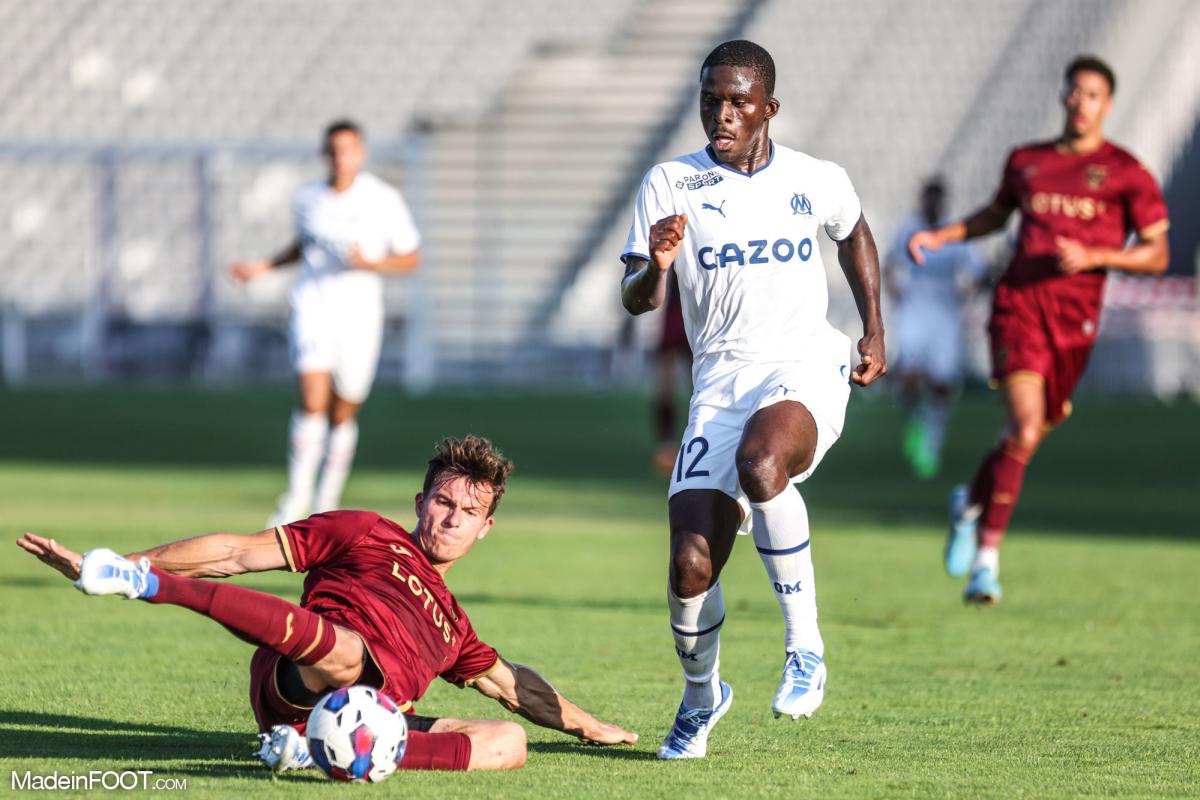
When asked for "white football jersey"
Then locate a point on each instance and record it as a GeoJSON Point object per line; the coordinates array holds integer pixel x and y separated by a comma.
{"type": "Point", "coordinates": [937, 286]}
{"type": "Point", "coordinates": [751, 279]}
{"type": "Point", "coordinates": [371, 215]}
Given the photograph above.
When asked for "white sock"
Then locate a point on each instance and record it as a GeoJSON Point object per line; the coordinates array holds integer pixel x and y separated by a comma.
{"type": "Point", "coordinates": [339, 455]}
{"type": "Point", "coordinates": [781, 535]}
{"type": "Point", "coordinates": [306, 446]}
{"type": "Point", "coordinates": [696, 625]}
{"type": "Point", "coordinates": [987, 557]}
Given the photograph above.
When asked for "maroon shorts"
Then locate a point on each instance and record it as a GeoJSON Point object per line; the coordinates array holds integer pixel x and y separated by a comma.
{"type": "Point", "coordinates": [1023, 349]}
{"type": "Point", "coordinates": [269, 706]}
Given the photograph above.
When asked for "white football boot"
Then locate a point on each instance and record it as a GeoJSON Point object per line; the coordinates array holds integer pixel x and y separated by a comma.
{"type": "Point", "coordinates": [283, 748]}
{"type": "Point", "coordinates": [104, 572]}
{"type": "Point", "coordinates": [801, 687]}
{"type": "Point", "coordinates": [688, 737]}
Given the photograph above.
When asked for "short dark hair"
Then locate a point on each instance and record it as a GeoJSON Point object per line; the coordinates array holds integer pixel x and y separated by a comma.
{"type": "Point", "coordinates": [341, 126]}
{"type": "Point", "coordinates": [742, 53]}
{"type": "Point", "coordinates": [474, 458]}
{"type": "Point", "coordinates": [1088, 63]}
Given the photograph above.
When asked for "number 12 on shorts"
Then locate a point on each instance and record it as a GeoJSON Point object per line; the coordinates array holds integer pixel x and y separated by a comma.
{"type": "Point", "coordinates": [691, 452]}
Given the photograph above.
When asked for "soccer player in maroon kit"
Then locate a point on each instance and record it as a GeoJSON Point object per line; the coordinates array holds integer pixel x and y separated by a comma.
{"type": "Point", "coordinates": [1080, 197]}
{"type": "Point", "coordinates": [375, 610]}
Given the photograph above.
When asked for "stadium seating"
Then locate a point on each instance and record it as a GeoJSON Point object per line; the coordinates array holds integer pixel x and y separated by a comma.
{"type": "Point", "coordinates": [145, 143]}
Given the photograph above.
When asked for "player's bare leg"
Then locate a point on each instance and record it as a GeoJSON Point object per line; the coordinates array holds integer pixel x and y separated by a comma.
{"type": "Point", "coordinates": [779, 442]}
{"type": "Point", "coordinates": [495, 744]}
{"type": "Point", "coordinates": [339, 453]}
{"type": "Point", "coordinates": [307, 435]}
{"type": "Point", "coordinates": [997, 485]}
{"type": "Point", "coordinates": [704, 526]}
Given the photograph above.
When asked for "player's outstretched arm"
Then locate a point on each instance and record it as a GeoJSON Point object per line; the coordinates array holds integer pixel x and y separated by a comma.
{"type": "Point", "coordinates": [860, 263]}
{"type": "Point", "coordinates": [644, 287]}
{"type": "Point", "coordinates": [243, 271]}
{"type": "Point", "coordinates": [215, 555]}
{"type": "Point", "coordinates": [218, 555]}
{"type": "Point", "coordinates": [981, 223]}
{"type": "Point", "coordinates": [523, 691]}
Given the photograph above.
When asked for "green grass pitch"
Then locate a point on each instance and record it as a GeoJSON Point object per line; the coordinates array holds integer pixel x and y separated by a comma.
{"type": "Point", "coordinates": [1084, 682]}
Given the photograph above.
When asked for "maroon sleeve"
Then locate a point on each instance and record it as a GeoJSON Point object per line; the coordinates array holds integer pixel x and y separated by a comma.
{"type": "Point", "coordinates": [311, 542]}
{"type": "Point", "coordinates": [475, 659]}
{"type": "Point", "coordinates": [1009, 193]}
{"type": "Point", "coordinates": [1144, 205]}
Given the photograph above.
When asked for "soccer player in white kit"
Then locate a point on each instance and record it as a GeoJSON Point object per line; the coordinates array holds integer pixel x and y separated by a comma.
{"type": "Point", "coordinates": [350, 229]}
{"type": "Point", "coordinates": [927, 322]}
{"type": "Point", "coordinates": [739, 222]}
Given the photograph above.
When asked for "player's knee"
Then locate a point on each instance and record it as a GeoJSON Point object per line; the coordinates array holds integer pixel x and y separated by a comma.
{"type": "Point", "coordinates": [762, 474]}
{"type": "Point", "coordinates": [691, 571]}
{"type": "Point", "coordinates": [515, 745]}
{"type": "Point", "coordinates": [1026, 437]}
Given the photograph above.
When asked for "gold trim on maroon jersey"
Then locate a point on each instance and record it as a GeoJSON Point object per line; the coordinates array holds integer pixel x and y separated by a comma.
{"type": "Point", "coordinates": [1150, 231]}
{"type": "Point", "coordinates": [476, 678]}
{"type": "Point", "coordinates": [287, 548]}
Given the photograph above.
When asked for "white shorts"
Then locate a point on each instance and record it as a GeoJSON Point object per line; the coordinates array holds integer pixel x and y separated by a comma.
{"type": "Point", "coordinates": [930, 341]}
{"type": "Point", "coordinates": [341, 340]}
{"type": "Point", "coordinates": [729, 391]}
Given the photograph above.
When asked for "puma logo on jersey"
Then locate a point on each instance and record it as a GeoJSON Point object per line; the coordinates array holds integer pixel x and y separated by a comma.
{"type": "Point", "coordinates": [719, 209]}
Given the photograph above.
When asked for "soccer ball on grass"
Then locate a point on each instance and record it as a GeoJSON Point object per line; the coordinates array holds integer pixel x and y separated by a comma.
{"type": "Point", "coordinates": [357, 734]}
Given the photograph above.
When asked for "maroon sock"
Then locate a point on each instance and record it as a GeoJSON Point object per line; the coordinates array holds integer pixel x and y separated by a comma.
{"type": "Point", "coordinates": [1002, 475]}
{"type": "Point", "coordinates": [256, 617]}
{"type": "Point", "coordinates": [437, 751]}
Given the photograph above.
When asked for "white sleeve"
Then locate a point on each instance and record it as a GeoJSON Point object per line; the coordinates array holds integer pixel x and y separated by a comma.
{"type": "Point", "coordinates": [403, 236]}
{"type": "Point", "coordinates": [841, 208]}
{"type": "Point", "coordinates": [653, 203]}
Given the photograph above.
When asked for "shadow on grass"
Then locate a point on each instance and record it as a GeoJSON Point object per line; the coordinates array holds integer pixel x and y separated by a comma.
{"type": "Point", "coordinates": [32, 734]}
{"type": "Point", "coordinates": [579, 749]}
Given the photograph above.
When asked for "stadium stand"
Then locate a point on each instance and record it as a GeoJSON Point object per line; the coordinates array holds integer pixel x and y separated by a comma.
{"type": "Point", "coordinates": [145, 143]}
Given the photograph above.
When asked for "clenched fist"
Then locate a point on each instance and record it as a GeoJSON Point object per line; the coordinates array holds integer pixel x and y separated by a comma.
{"type": "Point", "coordinates": [666, 236]}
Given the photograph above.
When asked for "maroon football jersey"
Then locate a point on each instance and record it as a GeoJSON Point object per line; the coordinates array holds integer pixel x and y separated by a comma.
{"type": "Point", "coordinates": [366, 573]}
{"type": "Point", "coordinates": [1097, 199]}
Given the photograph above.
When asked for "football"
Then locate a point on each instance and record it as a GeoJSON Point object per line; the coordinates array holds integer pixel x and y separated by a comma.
{"type": "Point", "coordinates": [357, 734]}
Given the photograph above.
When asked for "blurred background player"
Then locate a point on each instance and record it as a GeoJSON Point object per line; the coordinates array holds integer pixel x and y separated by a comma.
{"type": "Point", "coordinates": [350, 228]}
{"type": "Point", "coordinates": [673, 361]}
{"type": "Point", "coordinates": [927, 323]}
{"type": "Point", "coordinates": [1081, 200]}
{"type": "Point", "coordinates": [771, 374]}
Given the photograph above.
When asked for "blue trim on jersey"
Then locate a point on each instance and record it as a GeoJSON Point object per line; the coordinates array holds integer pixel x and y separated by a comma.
{"type": "Point", "coordinates": [766, 551]}
{"type": "Point", "coordinates": [634, 253]}
{"type": "Point", "coordinates": [683, 632]}
{"type": "Point", "coordinates": [712, 156]}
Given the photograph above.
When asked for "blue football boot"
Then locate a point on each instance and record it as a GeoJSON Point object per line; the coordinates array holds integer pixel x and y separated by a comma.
{"type": "Point", "coordinates": [688, 737]}
{"type": "Point", "coordinates": [960, 541]}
